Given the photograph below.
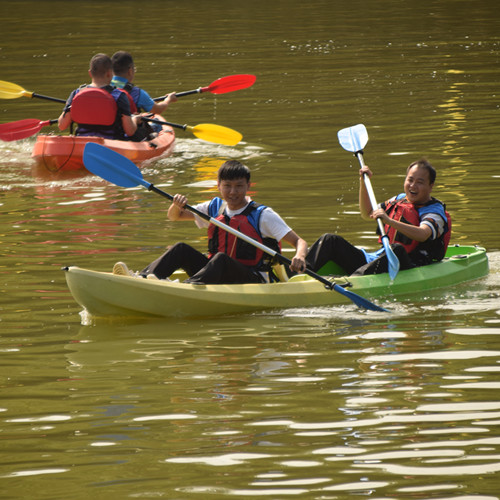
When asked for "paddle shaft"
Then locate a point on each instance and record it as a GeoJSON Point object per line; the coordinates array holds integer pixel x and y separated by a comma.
{"type": "Point", "coordinates": [161, 122]}
{"type": "Point", "coordinates": [219, 86]}
{"type": "Point", "coordinates": [182, 94]}
{"type": "Point", "coordinates": [284, 260]}
{"type": "Point", "coordinates": [371, 194]}
{"type": "Point", "coordinates": [46, 97]}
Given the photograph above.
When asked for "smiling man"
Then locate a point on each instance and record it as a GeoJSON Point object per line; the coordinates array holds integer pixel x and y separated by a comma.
{"type": "Point", "coordinates": [418, 227]}
{"type": "Point", "coordinates": [229, 259]}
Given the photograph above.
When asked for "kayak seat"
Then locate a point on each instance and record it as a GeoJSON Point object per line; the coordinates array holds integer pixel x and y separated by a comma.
{"type": "Point", "coordinates": [331, 269]}
{"type": "Point", "coordinates": [279, 271]}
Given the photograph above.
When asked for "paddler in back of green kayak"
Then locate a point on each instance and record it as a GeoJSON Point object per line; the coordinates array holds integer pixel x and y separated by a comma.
{"type": "Point", "coordinates": [417, 224]}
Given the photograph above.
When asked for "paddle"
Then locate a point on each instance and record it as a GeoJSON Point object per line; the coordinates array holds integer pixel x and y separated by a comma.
{"type": "Point", "coordinates": [115, 168]}
{"type": "Point", "coordinates": [220, 86]}
{"type": "Point", "coordinates": [206, 131]}
{"type": "Point", "coordinates": [13, 91]}
{"type": "Point", "coordinates": [22, 129]}
{"type": "Point", "coordinates": [354, 139]}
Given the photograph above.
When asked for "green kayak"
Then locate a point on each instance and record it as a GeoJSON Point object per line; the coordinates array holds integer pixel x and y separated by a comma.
{"type": "Point", "coordinates": [107, 294]}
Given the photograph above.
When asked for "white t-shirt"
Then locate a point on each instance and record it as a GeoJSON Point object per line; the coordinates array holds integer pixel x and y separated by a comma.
{"type": "Point", "coordinates": [271, 225]}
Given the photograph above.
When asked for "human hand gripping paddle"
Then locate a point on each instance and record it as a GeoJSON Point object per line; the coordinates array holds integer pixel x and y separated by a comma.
{"type": "Point", "coordinates": [115, 168]}
{"type": "Point", "coordinates": [220, 86]}
{"type": "Point", "coordinates": [354, 139]}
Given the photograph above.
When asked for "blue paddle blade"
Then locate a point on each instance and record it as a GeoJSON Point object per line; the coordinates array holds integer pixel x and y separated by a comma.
{"type": "Point", "coordinates": [358, 300]}
{"type": "Point", "coordinates": [391, 257]}
{"type": "Point", "coordinates": [354, 138]}
{"type": "Point", "coordinates": [112, 166]}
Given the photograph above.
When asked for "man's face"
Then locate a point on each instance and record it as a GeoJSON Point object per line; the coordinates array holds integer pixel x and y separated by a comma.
{"type": "Point", "coordinates": [234, 192]}
{"type": "Point", "coordinates": [417, 185]}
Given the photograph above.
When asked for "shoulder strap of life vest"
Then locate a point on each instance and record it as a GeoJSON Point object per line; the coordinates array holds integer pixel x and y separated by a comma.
{"type": "Point", "coordinates": [253, 211]}
{"type": "Point", "coordinates": [94, 106]}
{"type": "Point", "coordinates": [132, 93]}
{"type": "Point", "coordinates": [216, 207]}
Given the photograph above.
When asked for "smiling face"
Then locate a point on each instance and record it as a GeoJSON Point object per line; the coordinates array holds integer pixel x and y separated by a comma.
{"type": "Point", "coordinates": [234, 192]}
{"type": "Point", "coordinates": [418, 186]}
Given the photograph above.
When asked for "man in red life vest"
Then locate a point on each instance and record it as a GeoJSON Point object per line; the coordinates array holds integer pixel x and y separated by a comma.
{"type": "Point", "coordinates": [230, 259]}
{"type": "Point", "coordinates": [418, 227]}
{"type": "Point", "coordinates": [98, 108]}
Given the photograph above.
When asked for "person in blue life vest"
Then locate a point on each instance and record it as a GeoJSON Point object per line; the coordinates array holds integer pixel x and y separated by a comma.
{"type": "Point", "coordinates": [98, 108]}
{"type": "Point", "coordinates": [124, 71]}
{"type": "Point", "coordinates": [417, 224]}
{"type": "Point", "coordinates": [229, 259]}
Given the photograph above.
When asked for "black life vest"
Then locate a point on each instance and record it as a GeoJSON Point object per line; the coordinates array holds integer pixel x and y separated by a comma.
{"type": "Point", "coordinates": [133, 96]}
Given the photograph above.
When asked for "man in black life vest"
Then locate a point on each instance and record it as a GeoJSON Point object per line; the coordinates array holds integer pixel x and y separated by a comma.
{"type": "Point", "coordinates": [140, 101]}
{"type": "Point", "coordinates": [123, 75]}
{"type": "Point", "coordinates": [418, 227]}
{"type": "Point", "coordinates": [230, 259]}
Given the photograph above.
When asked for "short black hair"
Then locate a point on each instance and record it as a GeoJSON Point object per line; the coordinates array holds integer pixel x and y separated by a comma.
{"type": "Point", "coordinates": [233, 169]}
{"type": "Point", "coordinates": [122, 61]}
{"type": "Point", "coordinates": [423, 163]}
{"type": "Point", "coordinates": [100, 64]}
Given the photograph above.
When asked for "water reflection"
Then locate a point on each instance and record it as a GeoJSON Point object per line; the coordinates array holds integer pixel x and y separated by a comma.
{"type": "Point", "coordinates": [306, 403]}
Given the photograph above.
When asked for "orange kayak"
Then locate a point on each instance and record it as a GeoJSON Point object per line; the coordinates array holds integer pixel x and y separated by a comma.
{"type": "Point", "coordinates": [65, 152]}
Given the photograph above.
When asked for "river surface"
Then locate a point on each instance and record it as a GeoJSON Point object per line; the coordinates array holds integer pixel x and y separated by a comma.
{"type": "Point", "coordinates": [328, 403]}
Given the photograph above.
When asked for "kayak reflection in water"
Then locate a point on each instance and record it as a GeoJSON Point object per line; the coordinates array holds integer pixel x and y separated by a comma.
{"type": "Point", "coordinates": [230, 259]}
{"type": "Point", "coordinates": [417, 224]}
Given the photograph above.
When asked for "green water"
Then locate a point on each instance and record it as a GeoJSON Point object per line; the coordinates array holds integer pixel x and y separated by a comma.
{"type": "Point", "coordinates": [330, 403]}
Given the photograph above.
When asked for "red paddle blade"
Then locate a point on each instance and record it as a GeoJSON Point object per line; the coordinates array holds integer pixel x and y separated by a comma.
{"type": "Point", "coordinates": [230, 84]}
{"type": "Point", "coordinates": [21, 129]}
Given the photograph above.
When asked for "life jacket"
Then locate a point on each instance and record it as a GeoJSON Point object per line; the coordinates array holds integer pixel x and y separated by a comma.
{"type": "Point", "coordinates": [96, 112]}
{"type": "Point", "coordinates": [133, 94]}
{"type": "Point", "coordinates": [400, 209]}
{"type": "Point", "coordinates": [247, 222]}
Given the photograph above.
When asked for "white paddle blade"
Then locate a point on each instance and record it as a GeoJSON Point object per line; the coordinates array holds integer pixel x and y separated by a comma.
{"type": "Point", "coordinates": [354, 138]}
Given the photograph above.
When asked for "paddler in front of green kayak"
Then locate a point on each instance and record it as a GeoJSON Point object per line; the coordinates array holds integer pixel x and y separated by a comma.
{"type": "Point", "coordinates": [230, 259]}
{"type": "Point", "coordinates": [417, 224]}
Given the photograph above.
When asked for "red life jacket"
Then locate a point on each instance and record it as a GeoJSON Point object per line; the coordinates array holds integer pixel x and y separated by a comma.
{"type": "Point", "coordinates": [403, 211]}
{"type": "Point", "coordinates": [247, 222]}
{"type": "Point", "coordinates": [94, 106]}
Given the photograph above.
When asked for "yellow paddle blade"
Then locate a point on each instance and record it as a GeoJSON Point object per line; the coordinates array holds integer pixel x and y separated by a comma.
{"type": "Point", "coordinates": [216, 133]}
{"type": "Point", "coordinates": [12, 91]}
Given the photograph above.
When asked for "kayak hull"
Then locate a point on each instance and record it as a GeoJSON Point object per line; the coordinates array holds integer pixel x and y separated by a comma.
{"type": "Point", "coordinates": [65, 152]}
{"type": "Point", "coordinates": [106, 294]}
